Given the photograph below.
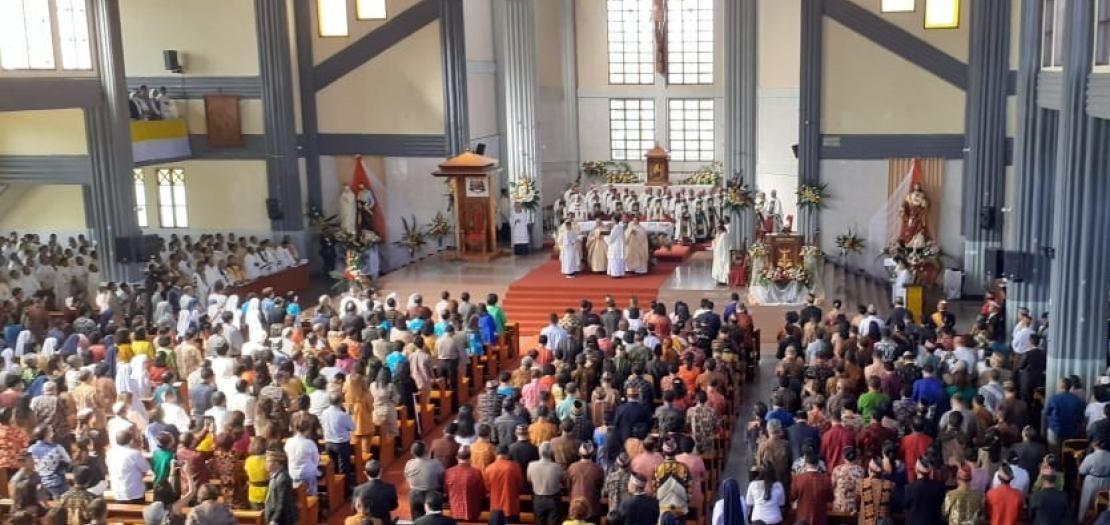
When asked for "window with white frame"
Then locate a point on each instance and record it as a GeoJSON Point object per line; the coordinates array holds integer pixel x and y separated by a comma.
{"type": "Point", "coordinates": [631, 41]}
{"type": "Point", "coordinates": [1102, 34]}
{"type": "Point", "coordinates": [1052, 43]}
{"type": "Point", "coordinates": [631, 128]}
{"type": "Point", "coordinates": [140, 196]}
{"type": "Point", "coordinates": [690, 128]}
{"type": "Point", "coordinates": [172, 209]}
{"type": "Point", "coordinates": [370, 9]}
{"type": "Point", "coordinates": [690, 41]}
{"type": "Point", "coordinates": [331, 17]}
{"type": "Point", "coordinates": [29, 42]}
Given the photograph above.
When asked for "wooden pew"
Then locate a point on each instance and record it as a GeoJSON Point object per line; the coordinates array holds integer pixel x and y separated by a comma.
{"type": "Point", "coordinates": [442, 396]}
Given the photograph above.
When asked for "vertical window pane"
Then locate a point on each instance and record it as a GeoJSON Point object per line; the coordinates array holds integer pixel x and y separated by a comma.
{"type": "Point", "coordinates": [1047, 27]}
{"type": "Point", "coordinates": [898, 6]}
{"type": "Point", "coordinates": [631, 41]}
{"type": "Point", "coordinates": [331, 17]}
{"type": "Point", "coordinates": [370, 9]}
{"type": "Point", "coordinates": [1058, 27]}
{"type": "Point", "coordinates": [692, 130]}
{"type": "Point", "coordinates": [633, 132]}
{"type": "Point", "coordinates": [26, 39]}
{"type": "Point", "coordinates": [172, 208]}
{"type": "Point", "coordinates": [689, 42]}
{"type": "Point", "coordinates": [1102, 34]}
{"type": "Point", "coordinates": [73, 34]}
{"type": "Point", "coordinates": [942, 14]}
{"type": "Point", "coordinates": [140, 196]}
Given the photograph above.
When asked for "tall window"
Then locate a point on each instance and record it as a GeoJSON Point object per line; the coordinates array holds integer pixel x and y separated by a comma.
{"type": "Point", "coordinates": [690, 41]}
{"type": "Point", "coordinates": [631, 127]}
{"type": "Point", "coordinates": [73, 34]}
{"type": "Point", "coordinates": [370, 9]}
{"type": "Point", "coordinates": [172, 211]}
{"type": "Point", "coordinates": [331, 17]}
{"type": "Point", "coordinates": [26, 37]}
{"type": "Point", "coordinates": [140, 196]}
{"type": "Point", "coordinates": [631, 42]}
{"type": "Point", "coordinates": [1052, 43]}
{"type": "Point", "coordinates": [1102, 34]}
{"type": "Point", "coordinates": [691, 129]}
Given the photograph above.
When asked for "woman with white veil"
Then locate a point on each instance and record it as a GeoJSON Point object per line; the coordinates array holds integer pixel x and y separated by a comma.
{"type": "Point", "coordinates": [163, 313]}
{"type": "Point", "coordinates": [49, 346]}
{"type": "Point", "coordinates": [232, 306]}
{"type": "Point", "coordinates": [23, 343]}
{"type": "Point", "coordinates": [8, 354]}
{"type": "Point", "coordinates": [256, 332]}
{"type": "Point", "coordinates": [184, 319]}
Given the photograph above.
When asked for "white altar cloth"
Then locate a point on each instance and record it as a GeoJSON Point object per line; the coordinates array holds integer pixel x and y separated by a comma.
{"type": "Point", "coordinates": [775, 294]}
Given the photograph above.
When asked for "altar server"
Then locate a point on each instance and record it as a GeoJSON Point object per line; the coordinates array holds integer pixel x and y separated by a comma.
{"type": "Point", "coordinates": [616, 250]}
{"type": "Point", "coordinates": [567, 241]}
{"type": "Point", "coordinates": [722, 255]}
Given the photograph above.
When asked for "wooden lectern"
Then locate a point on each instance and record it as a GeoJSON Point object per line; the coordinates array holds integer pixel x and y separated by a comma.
{"type": "Point", "coordinates": [469, 175]}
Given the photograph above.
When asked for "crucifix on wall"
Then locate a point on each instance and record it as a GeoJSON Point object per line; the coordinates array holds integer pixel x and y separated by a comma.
{"type": "Point", "coordinates": [659, 21]}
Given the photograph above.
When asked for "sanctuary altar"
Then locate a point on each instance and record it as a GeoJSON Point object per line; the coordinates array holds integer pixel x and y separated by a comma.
{"type": "Point", "coordinates": [784, 270]}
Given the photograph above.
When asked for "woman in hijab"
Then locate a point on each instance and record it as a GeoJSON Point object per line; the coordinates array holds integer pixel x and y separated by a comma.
{"type": "Point", "coordinates": [23, 343]}
{"type": "Point", "coordinates": [49, 346]}
{"type": "Point", "coordinates": [232, 306]}
{"type": "Point", "coordinates": [163, 313]}
{"type": "Point", "coordinates": [254, 320]}
{"type": "Point", "coordinates": [730, 509]}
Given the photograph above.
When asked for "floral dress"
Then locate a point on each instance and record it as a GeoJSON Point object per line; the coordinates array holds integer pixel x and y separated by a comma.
{"type": "Point", "coordinates": [845, 482]}
{"type": "Point", "coordinates": [225, 464]}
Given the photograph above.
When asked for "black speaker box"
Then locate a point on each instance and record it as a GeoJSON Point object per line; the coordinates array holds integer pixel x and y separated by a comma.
{"type": "Point", "coordinates": [987, 217]}
{"type": "Point", "coordinates": [1017, 265]}
{"type": "Point", "coordinates": [995, 262]}
{"type": "Point", "coordinates": [273, 210]}
{"type": "Point", "coordinates": [169, 59]}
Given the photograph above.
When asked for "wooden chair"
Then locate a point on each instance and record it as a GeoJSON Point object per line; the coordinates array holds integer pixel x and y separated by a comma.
{"type": "Point", "coordinates": [443, 398]}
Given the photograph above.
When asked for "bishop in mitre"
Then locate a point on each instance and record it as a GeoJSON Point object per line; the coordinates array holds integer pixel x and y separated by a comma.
{"type": "Point", "coordinates": [636, 251]}
{"type": "Point", "coordinates": [597, 250]}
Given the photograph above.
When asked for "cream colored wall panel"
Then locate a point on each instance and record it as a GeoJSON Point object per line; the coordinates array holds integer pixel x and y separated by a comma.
{"type": "Point", "coordinates": [871, 90]}
{"type": "Point", "coordinates": [250, 116]}
{"type": "Point", "coordinates": [324, 47]}
{"type": "Point", "coordinates": [478, 21]}
{"type": "Point", "coordinates": [951, 41]}
{"type": "Point", "coordinates": [45, 132]}
{"type": "Point", "coordinates": [216, 37]}
{"type": "Point", "coordinates": [225, 195]}
{"type": "Point", "coordinates": [590, 29]}
{"type": "Point", "coordinates": [482, 105]}
{"type": "Point", "coordinates": [399, 91]}
{"type": "Point", "coordinates": [779, 28]}
{"type": "Point", "coordinates": [549, 38]}
{"type": "Point", "coordinates": [45, 208]}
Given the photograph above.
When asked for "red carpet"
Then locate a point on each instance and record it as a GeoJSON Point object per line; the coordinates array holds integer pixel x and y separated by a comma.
{"type": "Point", "coordinates": [532, 298]}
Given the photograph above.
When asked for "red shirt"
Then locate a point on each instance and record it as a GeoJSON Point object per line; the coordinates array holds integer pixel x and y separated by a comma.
{"type": "Point", "coordinates": [833, 443]}
{"type": "Point", "coordinates": [1004, 505]}
{"type": "Point", "coordinates": [913, 448]}
{"type": "Point", "coordinates": [465, 490]}
{"type": "Point", "coordinates": [813, 493]}
{"type": "Point", "coordinates": [504, 479]}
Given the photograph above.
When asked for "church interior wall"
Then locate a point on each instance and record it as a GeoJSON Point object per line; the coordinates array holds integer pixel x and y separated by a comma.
{"type": "Point", "coordinates": [43, 209]}
{"type": "Point", "coordinates": [951, 41]}
{"type": "Point", "coordinates": [325, 46]}
{"type": "Point", "coordinates": [870, 90]}
{"type": "Point", "coordinates": [43, 132]}
{"type": "Point", "coordinates": [397, 92]}
{"type": "Point", "coordinates": [221, 195]}
{"type": "Point", "coordinates": [779, 55]}
{"type": "Point", "coordinates": [556, 136]}
{"type": "Point", "coordinates": [852, 182]}
{"type": "Point", "coordinates": [214, 37]}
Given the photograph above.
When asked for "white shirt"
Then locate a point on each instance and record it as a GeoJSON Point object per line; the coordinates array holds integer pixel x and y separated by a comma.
{"type": "Point", "coordinates": [1021, 339]}
{"type": "Point", "coordinates": [865, 325]}
{"type": "Point", "coordinates": [244, 403]}
{"type": "Point", "coordinates": [318, 402]}
{"type": "Point", "coordinates": [719, 513]}
{"type": "Point", "coordinates": [1020, 481]}
{"type": "Point", "coordinates": [115, 426]}
{"type": "Point", "coordinates": [173, 414]}
{"type": "Point", "coordinates": [126, 468]}
{"type": "Point", "coordinates": [968, 356]}
{"type": "Point", "coordinates": [303, 456]}
{"type": "Point", "coordinates": [765, 510]}
{"type": "Point", "coordinates": [220, 415]}
{"type": "Point", "coordinates": [555, 335]}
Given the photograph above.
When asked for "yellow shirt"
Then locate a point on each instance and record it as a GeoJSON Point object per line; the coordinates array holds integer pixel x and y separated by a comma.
{"type": "Point", "coordinates": [142, 347]}
{"type": "Point", "coordinates": [208, 444]}
{"type": "Point", "coordinates": [124, 353]}
{"type": "Point", "coordinates": [259, 479]}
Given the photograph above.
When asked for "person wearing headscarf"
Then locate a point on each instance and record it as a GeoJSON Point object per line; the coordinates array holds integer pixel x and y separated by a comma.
{"type": "Point", "coordinates": [253, 317]}
{"type": "Point", "coordinates": [49, 346]}
{"type": "Point", "coordinates": [163, 313]}
{"type": "Point", "coordinates": [23, 343]}
{"type": "Point", "coordinates": [730, 509]}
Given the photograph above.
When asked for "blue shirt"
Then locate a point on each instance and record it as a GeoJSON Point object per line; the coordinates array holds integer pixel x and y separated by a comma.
{"type": "Point", "coordinates": [293, 309]}
{"type": "Point", "coordinates": [928, 390]}
{"type": "Point", "coordinates": [337, 424]}
{"type": "Point", "coordinates": [784, 417]}
{"type": "Point", "coordinates": [476, 346]}
{"type": "Point", "coordinates": [416, 325]}
{"type": "Point", "coordinates": [440, 328]}
{"type": "Point", "coordinates": [393, 360]}
{"type": "Point", "coordinates": [488, 328]}
{"type": "Point", "coordinates": [51, 462]}
{"type": "Point", "coordinates": [1063, 410]}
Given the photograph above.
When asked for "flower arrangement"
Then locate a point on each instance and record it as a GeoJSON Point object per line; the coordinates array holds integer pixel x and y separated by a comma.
{"type": "Point", "coordinates": [613, 172]}
{"type": "Point", "coordinates": [525, 193]}
{"type": "Point", "coordinates": [413, 238]}
{"type": "Point", "coordinates": [775, 274]}
{"type": "Point", "coordinates": [439, 227]}
{"type": "Point", "coordinates": [811, 251]}
{"type": "Point", "coordinates": [757, 250]}
{"type": "Point", "coordinates": [812, 195]}
{"type": "Point", "coordinates": [659, 240]}
{"type": "Point", "coordinates": [850, 242]}
{"type": "Point", "coordinates": [916, 255]}
{"type": "Point", "coordinates": [738, 197]}
{"type": "Point", "coordinates": [708, 175]}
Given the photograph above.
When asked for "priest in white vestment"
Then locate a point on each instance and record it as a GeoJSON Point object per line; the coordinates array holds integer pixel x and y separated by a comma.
{"type": "Point", "coordinates": [636, 247]}
{"type": "Point", "coordinates": [567, 242]}
{"type": "Point", "coordinates": [902, 278]}
{"type": "Point", "coordinates": [616, 251]}
{"type": "Point", "coordinates": [518, 229]}
{"type": "Point", "coordinates": [722, 255]}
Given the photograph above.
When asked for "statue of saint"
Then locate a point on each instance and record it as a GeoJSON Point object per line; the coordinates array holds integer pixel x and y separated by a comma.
{"type": "Point", "coordinates": [915, 215]}
{"type": "Point", "coordinates": [348, 211]}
